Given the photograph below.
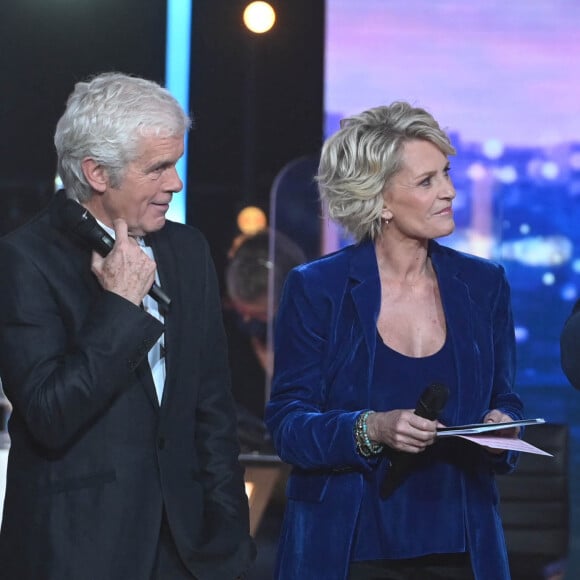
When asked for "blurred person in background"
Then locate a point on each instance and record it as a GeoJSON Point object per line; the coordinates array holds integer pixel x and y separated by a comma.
{"type": "Point", "coordinates": [249, 273]}
{"type": "Point", "coordinates": [570, 347]}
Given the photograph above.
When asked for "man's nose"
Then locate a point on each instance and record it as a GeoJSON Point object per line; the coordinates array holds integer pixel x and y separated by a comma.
{"type": "Point", "coordinates": [173, 182]}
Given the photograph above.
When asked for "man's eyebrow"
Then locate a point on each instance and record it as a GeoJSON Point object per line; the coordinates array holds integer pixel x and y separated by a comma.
{"type": "Point", "coordinates": [160, 164]}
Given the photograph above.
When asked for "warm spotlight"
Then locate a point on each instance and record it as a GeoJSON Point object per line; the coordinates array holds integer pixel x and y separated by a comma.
{"type": "Point", "coordinates": [259, 17]}
{"type": "Point", "coordinates": [251, 220]}
{"type": "Point", "coordinates": [250, 487]}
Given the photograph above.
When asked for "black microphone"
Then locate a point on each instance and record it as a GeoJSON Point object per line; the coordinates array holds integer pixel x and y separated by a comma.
{"type": "Point", "coordinates": [81, 222]}
{"type": "Point", "coordinates": [429, 406]}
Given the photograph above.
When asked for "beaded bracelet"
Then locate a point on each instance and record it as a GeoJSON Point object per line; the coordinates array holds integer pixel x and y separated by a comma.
{"type": "Point", "coordinates": [363, 444]}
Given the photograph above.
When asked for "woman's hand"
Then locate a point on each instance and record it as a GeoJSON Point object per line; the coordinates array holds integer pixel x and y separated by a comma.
{"type": "Point", "coordinates": [497, 416]}
{"type": "Point", "coordinates": [402, 430]}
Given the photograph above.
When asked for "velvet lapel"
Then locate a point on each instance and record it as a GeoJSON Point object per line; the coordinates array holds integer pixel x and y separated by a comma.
{"type": "Point", "coordinates": [168, 280]}
{"type": "Point", "coordinates": [366, 292]}
{"type": "Point", "coordinates": [458, 308]}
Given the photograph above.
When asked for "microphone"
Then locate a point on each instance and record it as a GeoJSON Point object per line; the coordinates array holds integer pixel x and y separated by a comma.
{"type": "Point", "coordinates": [81, 222]}
{"type": "Point", "coordinates": [429, 406]}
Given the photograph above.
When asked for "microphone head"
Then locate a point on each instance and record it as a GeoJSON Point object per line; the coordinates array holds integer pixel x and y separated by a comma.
{"type": "Point", "coordinates": [432, 401]}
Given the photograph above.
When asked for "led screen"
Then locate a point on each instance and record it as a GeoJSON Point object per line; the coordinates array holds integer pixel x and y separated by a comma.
{"type": "Point", "coordinates": [504, 79]}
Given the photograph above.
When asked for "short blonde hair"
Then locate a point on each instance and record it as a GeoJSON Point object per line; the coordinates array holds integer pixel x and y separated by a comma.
{"type": "Point", "coordinates": [363, 155]}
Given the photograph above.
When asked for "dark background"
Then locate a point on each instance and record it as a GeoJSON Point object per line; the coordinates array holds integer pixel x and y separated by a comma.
{"type": "Point", "coordinates": [258, 104]}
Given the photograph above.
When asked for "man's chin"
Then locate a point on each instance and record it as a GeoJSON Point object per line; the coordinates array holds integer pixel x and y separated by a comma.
{"type": "Point", "coordinates": [153, 226]}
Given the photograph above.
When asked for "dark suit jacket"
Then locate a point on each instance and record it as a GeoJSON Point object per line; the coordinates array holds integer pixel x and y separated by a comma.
{"type": "Point", "coordinates": [570, 347]}
{"type": "Point", "coordinates": [324, 357]}
{"type": "Point", "coordinates": [93, 456]}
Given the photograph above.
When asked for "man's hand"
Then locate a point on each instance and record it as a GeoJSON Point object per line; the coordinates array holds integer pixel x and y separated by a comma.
{"type": "Point", "coordinates": [126, 270]}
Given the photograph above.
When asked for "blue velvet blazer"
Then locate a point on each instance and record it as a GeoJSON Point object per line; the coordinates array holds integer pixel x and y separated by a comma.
{"type": "Point", "coordinates": [324, 357]}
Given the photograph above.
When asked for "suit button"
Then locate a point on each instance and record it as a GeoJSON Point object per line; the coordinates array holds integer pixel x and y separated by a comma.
{"type": "Point", "coordinates": [161, 442]}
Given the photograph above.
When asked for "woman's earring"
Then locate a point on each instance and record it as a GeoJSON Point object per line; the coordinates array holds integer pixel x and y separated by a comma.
{"type": "Point", "coordinates": [385, 221]}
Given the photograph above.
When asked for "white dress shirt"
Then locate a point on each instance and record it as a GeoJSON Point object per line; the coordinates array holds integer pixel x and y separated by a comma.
{"type": "Point", "coordinates": [156, 355]}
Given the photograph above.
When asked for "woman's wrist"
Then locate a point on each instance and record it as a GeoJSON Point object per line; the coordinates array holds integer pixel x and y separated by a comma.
{"type": "Point", "coordinates": [364, 444]}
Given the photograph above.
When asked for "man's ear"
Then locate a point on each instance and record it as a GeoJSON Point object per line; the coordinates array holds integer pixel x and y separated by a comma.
{"type": "Point", "coordinates": [95, 174]}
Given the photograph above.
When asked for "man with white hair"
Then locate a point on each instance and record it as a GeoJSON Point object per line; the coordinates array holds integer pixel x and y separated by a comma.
{"type": "Point", "coordinates": [124, 458]}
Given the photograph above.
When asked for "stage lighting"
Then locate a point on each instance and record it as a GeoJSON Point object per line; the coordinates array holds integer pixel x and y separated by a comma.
{"type": "Point", "coordinates": [251, 220]}
{"type": "Point", "coordinates": [259, 17]}
{"type": "Point", "coordinates": [262, 474]}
